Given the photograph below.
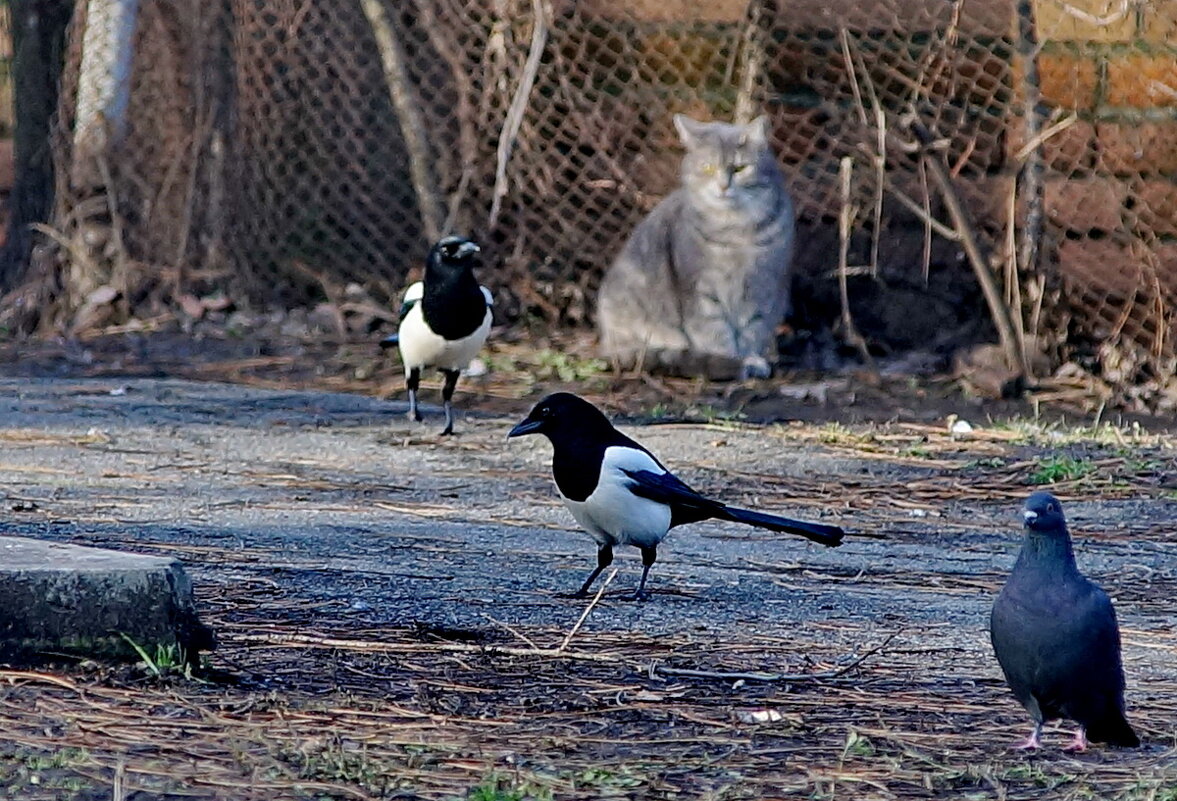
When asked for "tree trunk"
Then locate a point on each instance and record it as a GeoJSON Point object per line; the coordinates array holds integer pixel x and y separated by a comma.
{"type": "Point", "coordinates": [38, 46]}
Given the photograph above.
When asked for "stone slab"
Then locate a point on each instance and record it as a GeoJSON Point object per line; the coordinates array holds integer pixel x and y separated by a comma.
{"type": "Point", "coordinates": [60, 599]}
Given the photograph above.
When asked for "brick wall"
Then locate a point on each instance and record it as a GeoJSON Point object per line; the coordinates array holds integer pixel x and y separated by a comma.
{"type": "Point", "coordinates": [1111, 181]}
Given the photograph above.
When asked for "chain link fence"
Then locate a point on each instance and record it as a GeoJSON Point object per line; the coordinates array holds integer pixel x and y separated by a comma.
{"type": "Point", "coordinates": [276, 150]}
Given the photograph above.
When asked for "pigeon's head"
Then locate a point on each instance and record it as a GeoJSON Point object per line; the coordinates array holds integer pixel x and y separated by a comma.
{"type": "Point", "coordinates": [1043, 512]}
{"type": "Point", "coordinates": [454, 251]}
{"type": "Point", "coordinates": [562, 414]}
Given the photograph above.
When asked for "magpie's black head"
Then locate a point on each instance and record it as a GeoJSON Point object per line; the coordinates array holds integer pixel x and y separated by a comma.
{"type": "Point", "coordinates": [454, 251]}
{"type": "Point", "coordinates": [562, 414]}
{"type": "Point", "coordinates": [1043, 513]}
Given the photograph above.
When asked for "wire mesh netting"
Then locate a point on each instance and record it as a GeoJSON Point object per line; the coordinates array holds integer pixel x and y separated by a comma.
{"type": "Point", "coordinates": [278, 147]}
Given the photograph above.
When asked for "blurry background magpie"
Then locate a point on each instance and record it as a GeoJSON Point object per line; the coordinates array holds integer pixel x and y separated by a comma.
{"type": "Point", "coordinates": [622, 495]}
{"type": "Point", "coordinates": [444, 321]}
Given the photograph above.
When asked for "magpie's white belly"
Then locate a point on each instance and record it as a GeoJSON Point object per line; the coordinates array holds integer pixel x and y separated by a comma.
{"type": "Point", "coordinates": [612, 513]}
{"type": "Point", "coordinates": [420, 347]}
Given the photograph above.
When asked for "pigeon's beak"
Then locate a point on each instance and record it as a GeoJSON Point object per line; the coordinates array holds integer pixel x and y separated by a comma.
{"type": "Point", "coordinates": [1029, 517]}
{"type": "Point", "coordinates": [528, 426]}
{"type": "Point", "coordinates": [467, 248]}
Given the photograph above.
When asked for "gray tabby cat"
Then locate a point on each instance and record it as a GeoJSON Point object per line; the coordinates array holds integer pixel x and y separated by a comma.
{"type": "Point", "coordinates": [703, 281]}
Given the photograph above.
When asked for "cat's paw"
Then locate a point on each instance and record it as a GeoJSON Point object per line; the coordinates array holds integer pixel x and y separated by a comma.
{"type": "Point", "coordinates": [755, 367]}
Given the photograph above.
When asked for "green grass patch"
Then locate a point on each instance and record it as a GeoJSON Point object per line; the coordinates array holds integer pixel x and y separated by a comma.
{"type": "Point", "coordinates": [1060, 468]}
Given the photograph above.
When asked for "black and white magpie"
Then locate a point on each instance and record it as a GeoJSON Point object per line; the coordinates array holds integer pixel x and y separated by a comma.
{"type": "Point", "coordinates": [622, 495]}
{"type": "Point", "coordinates": [444, 321]}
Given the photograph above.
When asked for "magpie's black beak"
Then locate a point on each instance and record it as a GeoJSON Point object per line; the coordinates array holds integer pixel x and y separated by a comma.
{"type": "Point", "coordinates": [527, 426]}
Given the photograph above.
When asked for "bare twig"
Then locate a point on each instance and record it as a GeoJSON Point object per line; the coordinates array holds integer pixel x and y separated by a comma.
{"type": "Point", "coordinates": [922, 212]}
{"type": "Point", "coordinates": [927, 215]}
{"type": "Point", "coordinates": [514, 631]}
{"type": "Point", "coordinates": [751, 62]}
{"type": "Point", "coordinates": [1036, 142]}
{"type": "Point", "coordinates": [121, 274]}
{"type": "Point", "coordinates": [775, 677]}
{"type": "Point", "coordinates": [452, 54]}
{"type": "Point", "coordinates": [845, 221]}
{"type": "Point", "coordinates": [1123, 9]}
{"type": "Point", "coordinates": [880, 162]}
{"type": "Point", "coordinates": [1014, 352]}
{"type": "Point", "coordinates": [514, 119]}
{"type": "Point", "coordinates": [584, 615]}
{"type": "Point", "coordinates": [852, 73]}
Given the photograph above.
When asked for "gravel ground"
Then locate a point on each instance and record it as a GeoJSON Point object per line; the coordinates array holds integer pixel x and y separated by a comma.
{"type": "Point", "coordinates": [319, 513]}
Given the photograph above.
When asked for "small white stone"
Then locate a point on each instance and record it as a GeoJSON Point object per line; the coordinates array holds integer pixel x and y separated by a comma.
{"type": "Point", "coordinates": [961, 427]}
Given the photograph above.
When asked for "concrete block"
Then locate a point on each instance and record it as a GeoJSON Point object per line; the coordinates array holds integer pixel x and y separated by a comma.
{"type": "Point", "coordinates": [57, 598]}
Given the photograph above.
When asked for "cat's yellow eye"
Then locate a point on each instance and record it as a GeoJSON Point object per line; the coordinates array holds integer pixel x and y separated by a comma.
{"type": "Point", "coordinates": [710, 169]}
{"type": "Point", "coordinates": [739, 167]}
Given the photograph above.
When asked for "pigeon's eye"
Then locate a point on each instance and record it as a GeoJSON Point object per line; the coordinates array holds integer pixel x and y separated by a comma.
{"type": "Point", "coordinates": [1050, 507]}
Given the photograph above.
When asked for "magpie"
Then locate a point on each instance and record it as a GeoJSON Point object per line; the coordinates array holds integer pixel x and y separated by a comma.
{"type": "Point", "coordinates": [444, 321]}
{"type": "Point", "coordinates": [622, 495]}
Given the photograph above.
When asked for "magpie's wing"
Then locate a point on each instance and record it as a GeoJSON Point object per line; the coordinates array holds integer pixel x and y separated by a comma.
{"type": "Point", "coordinates": [413, 296]}
{"type": "Point", "coordinates": [686, 505]}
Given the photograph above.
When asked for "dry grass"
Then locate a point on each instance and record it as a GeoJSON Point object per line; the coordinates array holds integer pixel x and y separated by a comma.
{"type": "Point", "coordinates": [396, 713]}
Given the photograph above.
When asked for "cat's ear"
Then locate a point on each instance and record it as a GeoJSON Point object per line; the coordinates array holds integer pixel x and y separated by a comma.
{"type": "Point", "coordinates": [688, 130]}
{"type": "Point", "coordinates": [756, 132]}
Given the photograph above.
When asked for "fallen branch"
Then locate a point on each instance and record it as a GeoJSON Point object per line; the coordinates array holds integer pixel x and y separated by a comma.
{"type": "Point", "coordinates": [514, 119]}
{"type": "Point", "coordinates": [823, 675]}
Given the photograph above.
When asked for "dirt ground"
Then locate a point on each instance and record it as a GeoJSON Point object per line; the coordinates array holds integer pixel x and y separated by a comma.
{"type": "Point", "coordinates": [389, 612]}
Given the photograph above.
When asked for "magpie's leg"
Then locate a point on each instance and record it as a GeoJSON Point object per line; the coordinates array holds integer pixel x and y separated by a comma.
{"type": "Point", "coordinates": [649, 554]}
{"type": "Point", "coordinates": [604, 559]}
{"type": "Point", "coordinates": [447, 395]}
{"type": "Point", "coordinates": [412, 381]}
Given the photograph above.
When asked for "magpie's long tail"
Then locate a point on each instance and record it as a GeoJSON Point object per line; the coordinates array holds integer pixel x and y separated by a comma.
{"type": "Point", "coordinates": [830, 536]}
{"type": "Point", "coordinates": [390, 341]}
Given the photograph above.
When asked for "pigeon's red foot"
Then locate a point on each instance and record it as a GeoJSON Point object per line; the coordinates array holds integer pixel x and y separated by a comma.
{"type": "Point", "coordinates": [1031, 743]}
{"type": "Point", "coordinates": [1079, 744]}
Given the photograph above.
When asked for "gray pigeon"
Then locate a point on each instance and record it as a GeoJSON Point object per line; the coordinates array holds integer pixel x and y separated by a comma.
{"type": "Point", "coordinates": [1056, 638]}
